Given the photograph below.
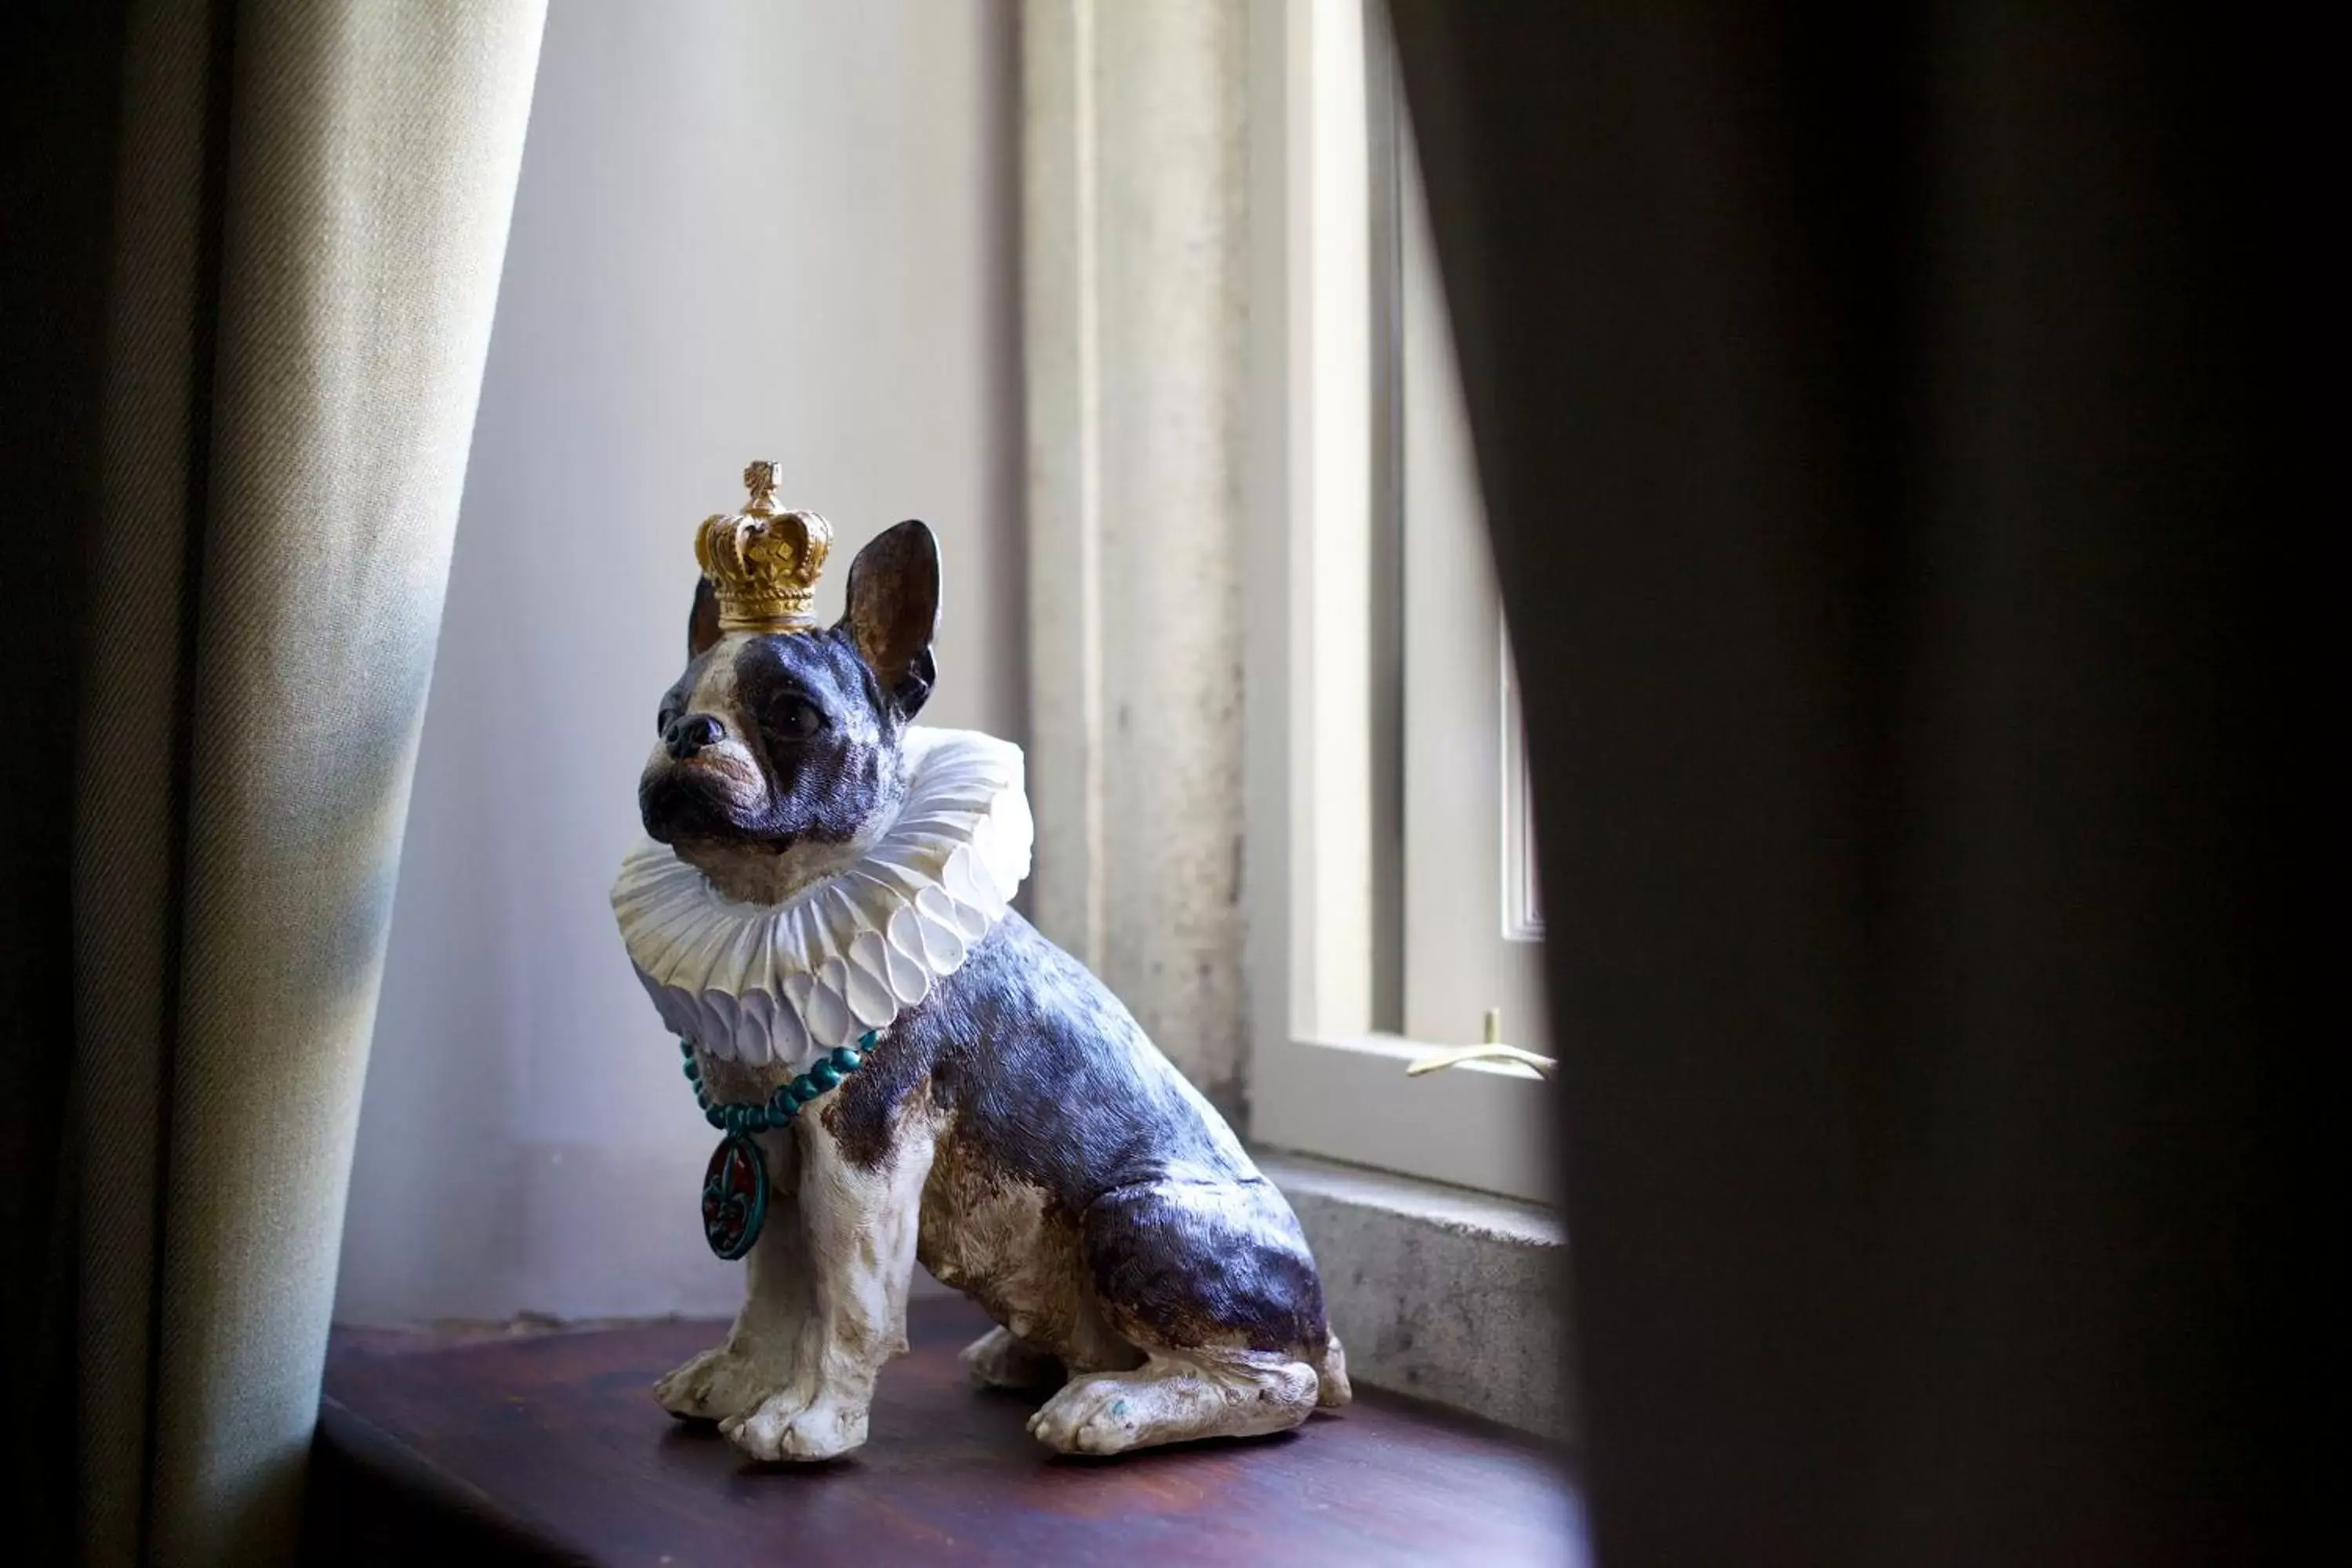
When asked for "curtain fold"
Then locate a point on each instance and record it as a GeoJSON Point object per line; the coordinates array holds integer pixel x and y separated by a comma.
{"type": "Point", "coordinates": [309, 213]}
{"type": "Point", "coordinates": [1881, 479]}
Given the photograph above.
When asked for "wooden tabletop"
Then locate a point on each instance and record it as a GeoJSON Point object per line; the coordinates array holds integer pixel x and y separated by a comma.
{"type": "Point", "coordinates": [549, 1447]}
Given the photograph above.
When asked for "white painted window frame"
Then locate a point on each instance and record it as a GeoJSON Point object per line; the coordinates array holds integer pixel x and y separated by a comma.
{"type": "Point", "coordinates": [1323, 1080]}
{"type": "Point", "coordinates": [1471, 947]}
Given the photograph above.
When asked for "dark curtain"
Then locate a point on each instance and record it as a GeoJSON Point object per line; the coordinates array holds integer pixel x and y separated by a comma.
{"type": "Point", "coordinates": [61, 83]}
{"type": "Point", "coordinates": [1882, 482]}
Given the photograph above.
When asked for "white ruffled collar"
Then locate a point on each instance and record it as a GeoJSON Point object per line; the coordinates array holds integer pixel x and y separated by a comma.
{"type": "Point", "coordinates": [781, 984]}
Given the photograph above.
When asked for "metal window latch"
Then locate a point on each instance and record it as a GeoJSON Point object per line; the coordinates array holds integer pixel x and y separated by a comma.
{"type": "Point", "coordinates": [1492, 1050]}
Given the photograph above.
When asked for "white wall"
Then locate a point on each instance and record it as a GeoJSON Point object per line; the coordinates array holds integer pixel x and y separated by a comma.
{"type": "Point", "coordinates": [744, 230]}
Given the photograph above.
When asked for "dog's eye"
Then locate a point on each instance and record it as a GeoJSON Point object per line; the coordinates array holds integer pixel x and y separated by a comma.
{"type": "Point", "coordinates": [798, 719]}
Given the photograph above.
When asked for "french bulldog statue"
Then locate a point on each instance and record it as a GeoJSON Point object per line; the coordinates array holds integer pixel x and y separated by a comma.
{"type": "Point", "coordinates": [903, 1068]}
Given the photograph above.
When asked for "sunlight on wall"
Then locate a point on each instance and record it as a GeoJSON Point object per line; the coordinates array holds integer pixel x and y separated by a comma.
{"type": "Point", "coordinates": [741, 231]}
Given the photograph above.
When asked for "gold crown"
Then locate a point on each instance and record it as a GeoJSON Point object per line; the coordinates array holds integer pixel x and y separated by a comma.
{"type": "Point", "coordinates": [763, 563]}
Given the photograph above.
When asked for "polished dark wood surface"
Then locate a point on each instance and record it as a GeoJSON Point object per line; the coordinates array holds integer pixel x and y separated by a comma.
{"type": "Point", "coordinates": [550, 1448]}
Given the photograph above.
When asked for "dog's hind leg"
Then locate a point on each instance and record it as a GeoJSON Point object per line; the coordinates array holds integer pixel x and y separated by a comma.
{"type": "Point", "coordinates": [1331, 1390]}
{"type": "Point", "coordinates": [1213, 1283]}
{"type": "Point", "coordinates": [1177, 1395]}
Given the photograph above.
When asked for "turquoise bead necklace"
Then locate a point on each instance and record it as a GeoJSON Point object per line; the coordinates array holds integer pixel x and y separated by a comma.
{"type": "Point", "coordinates": [735, 1185]}
{"type": "Point", "coordinates": [779, 1109]}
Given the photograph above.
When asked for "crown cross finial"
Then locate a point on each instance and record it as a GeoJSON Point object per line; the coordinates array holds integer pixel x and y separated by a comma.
{"type": "Point", "coordinates": [763, 562]}
{"type": "Point", "coordinates": [759, 480]}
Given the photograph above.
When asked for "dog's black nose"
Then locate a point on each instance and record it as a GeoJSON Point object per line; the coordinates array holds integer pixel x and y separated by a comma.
{"type": "Point", "coordinates": [691, 733]}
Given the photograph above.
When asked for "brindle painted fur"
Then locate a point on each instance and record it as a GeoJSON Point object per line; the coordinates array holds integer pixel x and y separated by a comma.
{"type": "Point", "coordinates": [1041, 1081]}
{"type": "Point", "coordinates": [1064, 1175]}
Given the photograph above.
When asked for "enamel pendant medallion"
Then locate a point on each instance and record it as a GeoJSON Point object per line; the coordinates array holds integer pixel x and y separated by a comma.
{"type": "Point", "coordinates": [735, 1182]}
{"type": "Point", "coordinates": [734, 1197]}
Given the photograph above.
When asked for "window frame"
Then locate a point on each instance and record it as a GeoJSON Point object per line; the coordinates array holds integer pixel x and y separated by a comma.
{"type": "Point", "coordinates": [1325, 1079]}
{"type": "Point", "coordinates": [1473, 956]}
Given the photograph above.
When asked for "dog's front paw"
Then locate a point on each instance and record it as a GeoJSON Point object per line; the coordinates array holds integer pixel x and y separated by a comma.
{"type": "Point", "coordinates": [794, 1425]}
{"type": "Point", "coordinates": [721, 1381]}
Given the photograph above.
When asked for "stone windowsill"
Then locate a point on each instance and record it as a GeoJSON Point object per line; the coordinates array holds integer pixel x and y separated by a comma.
{"type": "Point", "coordinates": [1441, 1293]}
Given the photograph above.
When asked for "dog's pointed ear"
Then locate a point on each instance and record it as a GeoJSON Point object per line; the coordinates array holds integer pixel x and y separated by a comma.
{"type": "Point", "coordinates": [893, 611]}
{"type": "Point", "coordinates": [702, 625]}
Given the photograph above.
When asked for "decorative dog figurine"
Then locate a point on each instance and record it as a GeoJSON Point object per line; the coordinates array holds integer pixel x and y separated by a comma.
{"type": "Point", "coordinates": [904, 1069]}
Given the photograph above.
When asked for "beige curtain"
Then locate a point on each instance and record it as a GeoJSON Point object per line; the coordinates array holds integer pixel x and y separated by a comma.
{"type": "Point", "coordinates": [307, 216]}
